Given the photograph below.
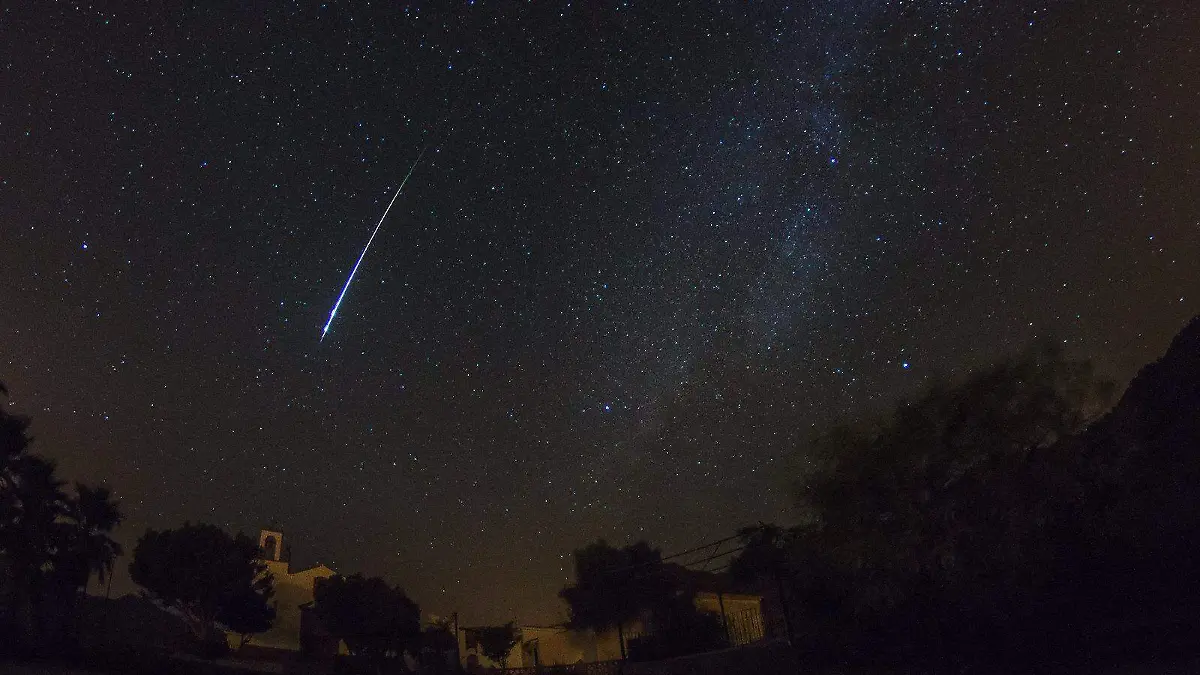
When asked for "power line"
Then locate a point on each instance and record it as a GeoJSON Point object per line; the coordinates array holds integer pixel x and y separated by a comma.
{"type": "Point", "coordinates": [701, 547]}
{"type": "Point", "coordinates": [713, 557]}
{"type": "Point", "coordinates": [697, 549]}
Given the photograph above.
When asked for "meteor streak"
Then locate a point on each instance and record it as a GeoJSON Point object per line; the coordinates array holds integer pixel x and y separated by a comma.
{"type": "Point", "coordinates": [362, 255]}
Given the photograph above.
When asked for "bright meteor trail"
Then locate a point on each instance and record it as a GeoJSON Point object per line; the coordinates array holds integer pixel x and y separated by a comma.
{"type": "Point", "coordinates": [362, 255]}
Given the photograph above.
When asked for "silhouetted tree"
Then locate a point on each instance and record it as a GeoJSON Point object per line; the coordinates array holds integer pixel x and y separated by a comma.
{"type": "Point", "coordinates": [439, 647]}
{"type": "Point", "coordinates": [762, 565]}
{"type": "Point", "coordinates": [92, 515]}
{"type": "Point", "coordinates": [615, 586]}
{"type": "Point", "coordinates": [497, 641]}
{"type": "Point", "coordinates": [31, 539]}
{"type": "Point", "coordinates": [248, 613]}
{"type": "Point", "coordinates": [924, 533]}
{"type": "Point", "coordinates": [763, 554]}
{"type": "Point", "coordinates": [677, 628]}
{"type": "Point", "coordinates": [204, 573]}
{"type": "Point", "coordinates": [377, 622]}
{"type": "Point", "coordinates": [48, 540]}
{"type": "Point", "coordinates": [32, 504]}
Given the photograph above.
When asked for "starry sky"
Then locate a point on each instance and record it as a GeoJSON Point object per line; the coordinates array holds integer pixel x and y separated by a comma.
{"type": "Point", "coordinates": [650, 248]}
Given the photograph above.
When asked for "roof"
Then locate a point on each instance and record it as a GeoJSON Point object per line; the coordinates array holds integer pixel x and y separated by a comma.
{"type": "Point", "coordinates": [317, 567]}
{"type": "Point", "coordinates": [699, 581]}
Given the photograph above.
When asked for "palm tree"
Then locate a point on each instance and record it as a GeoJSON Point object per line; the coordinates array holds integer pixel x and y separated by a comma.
{"type": "Point", "coordinates": [31, 536]}
{"type": "Point", "coordinates": [37, 504]}
{"type": "Point", "coordinates": [49, 542]}
{"type": "Point", "coordinates": [91, 516]}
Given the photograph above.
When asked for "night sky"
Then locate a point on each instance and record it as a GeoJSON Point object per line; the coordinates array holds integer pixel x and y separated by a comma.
{"type": "Point", "coordinates": [649, 249]}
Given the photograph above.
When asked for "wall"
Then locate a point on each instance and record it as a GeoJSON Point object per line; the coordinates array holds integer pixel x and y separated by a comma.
{"type": "Point", "coordinates": [764, 658]}
{"type": "Point", "coordinates": [559, 646]}
{"type": "Point", "coordinates": [291, 591]}
{"type": "Point", "coordinates": [743, 612]}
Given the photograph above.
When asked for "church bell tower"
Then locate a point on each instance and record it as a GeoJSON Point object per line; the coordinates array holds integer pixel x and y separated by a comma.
{"type": "Point", "coordinates": [270, 543]}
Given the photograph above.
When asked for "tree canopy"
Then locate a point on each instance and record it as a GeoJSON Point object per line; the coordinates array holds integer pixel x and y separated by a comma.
{"type": "Point", "coordinates": [497, 641]}
{"type": "Point", "coordinates": [50, 540]}
{"type": "Point", "coordinates": [376, 621]}
{"type": "Point", "coordinates": [439, 647]}
{"type": "Point", "coordinates": [248, 612]}
{"type": "Point", "coordinates": [939, 490]}
{"type": "Point", "coordinates": [614, 586]}
{"type": "Point", "coordinates": [998, 511]}
{"type": "Point", "coordinates": [92, 515]}
{"type": "Point", "coordinates": [205, 573]}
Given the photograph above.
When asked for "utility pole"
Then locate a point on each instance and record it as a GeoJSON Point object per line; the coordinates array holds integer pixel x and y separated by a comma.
{"type": "Point", "coordinates": [777, 572]}
{"type": "Point", "coordinates": [457, 652]}
{"type": "Point", "coordinates": [783, 605]}
{"type": "Point", "coordinates": [725, 619]}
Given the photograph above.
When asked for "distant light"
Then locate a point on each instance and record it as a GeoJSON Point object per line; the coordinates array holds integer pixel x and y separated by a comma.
{"type": "Point", "coordinates": [833, 160]}
{"type": "Point", "coordinates": [85, 245]}
{"type": "Point", "coordinates": [607, 408]}
{"type": "Point", "coordinates": [904, 365]}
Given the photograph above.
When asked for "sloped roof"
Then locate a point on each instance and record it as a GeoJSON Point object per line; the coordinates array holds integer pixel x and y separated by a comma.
{"type": "Point", "coordinates": [699, 581]}
{"type": "Point", "coordinates": [317, 567]}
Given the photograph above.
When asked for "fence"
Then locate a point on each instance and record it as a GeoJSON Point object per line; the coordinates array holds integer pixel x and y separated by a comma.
{"type": "Point", "coordinates": [744, 627]}
{"type": "Point", "coordinates": [740, 628]}
{"type": "Point", "coordinates": [595, 668]}
{"type": "Point", "coordinates": [764, 657]}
